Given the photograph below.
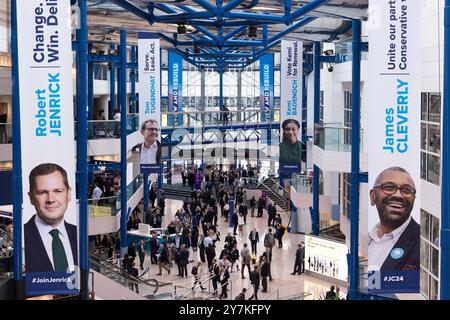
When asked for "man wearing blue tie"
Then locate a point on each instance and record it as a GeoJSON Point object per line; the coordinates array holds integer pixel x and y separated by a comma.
{"type": "Point", "coordinates": [50, 242]}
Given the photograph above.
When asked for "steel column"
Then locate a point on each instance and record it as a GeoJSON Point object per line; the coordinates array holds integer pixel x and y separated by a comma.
{"type": "Point", "coordinates": [220, 86]}
{"type": "Point", "coordinates": [112, 90]}
{"type": "Point", "coordinates": [82, 170]}
{"type": "Point", "coordinates": [444, 281]}
{"type": "Point", "coordinates": [316, 209]}
{"type": "Point", "coordinates": [123, 142]}
{"type": "Point", "coordinates": [133, 79]}
{"type": "Point", "coordinates": [354, 177]}
{"type": "Point", "coordinates": [17, 158]}
{"type": "Point", "coordinates": [90, 91]}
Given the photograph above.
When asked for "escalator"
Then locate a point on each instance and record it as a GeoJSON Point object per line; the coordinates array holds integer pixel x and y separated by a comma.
{"type": "Point", "coordinates": [143, 285]}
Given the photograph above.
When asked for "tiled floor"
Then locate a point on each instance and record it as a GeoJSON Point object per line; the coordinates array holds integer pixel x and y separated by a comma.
{"type": "Point", "coordinates": [282, 265]}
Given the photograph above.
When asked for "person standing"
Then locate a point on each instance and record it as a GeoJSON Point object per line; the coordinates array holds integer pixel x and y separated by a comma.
{"type": "Point", "coordinates": [255, 280]}
{"type": "Point", "coordinates": [3, 134]}
{"type": "Point", "coordinates": [235, 222]}
{"type": "Point", "coordinates": [154, 249]}
{"type": "Point", "coordinates": [183, 260]}
{"type": "Point", "coordinates": [298, 259]}
{"type": "Point", "coordinates": [141, 252]}
{"type": "Point", "coordinates": [280, 233]}
{"type": "Point", "coordinates": [260, 207]}
{"type": "Point", "coordinates": [246, 258]}
{"type": "Point", "coordinates": [241, 296]}
{"type": "Point", "coordinates": [264, 273]}
{"type": "Point", "coordinates": [252, 206]}
{"type": "Point", "coordinates": [269, 241]}
{"type": "Point", "coordinates": [330, 295]}
{"type": "Point", "coordinates": [215, 275]}
{"type": "Point", "coordinates": [254, 239]}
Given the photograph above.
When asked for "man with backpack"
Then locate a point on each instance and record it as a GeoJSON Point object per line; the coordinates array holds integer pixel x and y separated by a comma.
{"type": "Point", "coordinates": [196, 271]}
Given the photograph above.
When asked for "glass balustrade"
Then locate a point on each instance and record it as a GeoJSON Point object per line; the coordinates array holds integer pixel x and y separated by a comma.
{"type": "Point", "coordinates": [217, 117]}
{"type": "Point", "coordinates": [5, 133]}
{"type": "Point", "coordinates": [110, 206]}
{"type": "Point", "coordinates": [110, 129]}
{"type": "Point", "coordinates": [302, 183]}
{"type": "Point", "coordinates": [334, 138]}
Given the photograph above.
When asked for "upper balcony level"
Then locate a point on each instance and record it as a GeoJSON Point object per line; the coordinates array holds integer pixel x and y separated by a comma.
{"type": "Point", "coordinates": [332, 148]}
{"type": "Point", "coordinates": [104, 135]}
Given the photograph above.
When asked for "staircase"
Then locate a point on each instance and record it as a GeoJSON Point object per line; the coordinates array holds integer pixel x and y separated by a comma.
{"type": "Point", "coordinates": [333, 232]}
{"type": "Point", "coordinates": [273, 188]}
{"type": "Point", "coordinates": [176, 191]}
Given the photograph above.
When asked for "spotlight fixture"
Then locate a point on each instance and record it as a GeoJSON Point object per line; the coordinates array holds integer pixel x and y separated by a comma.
{"type": "Point", "coordinates": [330, 68]}
{"type": "Point", "coordinates": [328, 52]}
{"type": "Point", "coordinates": [73, 2]}
{"type": "Point", "coordinates": [181, 29]}
{"type": "Point", "coordinates": [252, 30]}
{"type": "Point", "coordinates": [197, 49]}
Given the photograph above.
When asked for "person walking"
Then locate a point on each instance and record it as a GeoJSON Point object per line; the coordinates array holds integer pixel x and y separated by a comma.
{"type": "Point", "coordinates": [255, 280]}
{"type": "Point", "coordinates": [154, 245]}
{"type": "Point", "coordinates": [163, 259]}
{"type": "Point", "coordinates": [234, 256]}
{"type": "Point", "coordinates": [246, 259]}
{"type": "Point", "coordinates": [196, 272]}
{"type": "Point", "coordinates": [224, 276]}
{"type": "Point", "coordinates": [241, 223]}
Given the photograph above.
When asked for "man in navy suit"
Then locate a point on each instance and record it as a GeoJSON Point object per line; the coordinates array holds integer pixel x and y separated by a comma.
{"type": "Point", "coordinates": [50, 242]}
{"type": "Point", "coordinates": [394, 243]}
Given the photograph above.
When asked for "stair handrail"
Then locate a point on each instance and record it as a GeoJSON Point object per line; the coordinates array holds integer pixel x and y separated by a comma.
{"type": "Point", "coordinates": [230, 282]}
{"type": "Point", "coordinates": [284, 200]}
{"type": "Point", "coordinates": [189, 291]}
{"type": "Point", "coordinates": [277, 292]}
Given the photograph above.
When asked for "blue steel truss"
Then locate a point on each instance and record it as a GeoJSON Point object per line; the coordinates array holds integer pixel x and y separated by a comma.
{"type": "Point", "coordinates": [224, 48]}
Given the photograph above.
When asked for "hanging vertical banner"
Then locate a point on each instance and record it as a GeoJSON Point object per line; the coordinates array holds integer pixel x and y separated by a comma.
{"type": "Point", "coordinates": [47, 128]}
{"type": "Point", "coordinates": [394, 139]}
{"type": "Point", "coordinates": [291, 105]}
{"type": "Point", "coordinates": [266, 76]}
{"type": "Point", "coordinates": [149, 64]}
{"type": "Point", "coordinates": [175, 87]}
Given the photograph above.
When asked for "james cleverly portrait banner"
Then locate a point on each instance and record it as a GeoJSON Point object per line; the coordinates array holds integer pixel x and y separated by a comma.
{"type": "Point", "coordinates": [394, 152]}
{"type": "Point", "coordinates": [150, 101]}
{"type": "Point", "coordinates": [47, 146]}
{"type": "Point", "coordinates": [291, 107]}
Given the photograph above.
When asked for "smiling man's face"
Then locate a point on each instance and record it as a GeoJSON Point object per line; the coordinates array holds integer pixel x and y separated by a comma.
{"type": "Point", "coordinates": [393, 209]}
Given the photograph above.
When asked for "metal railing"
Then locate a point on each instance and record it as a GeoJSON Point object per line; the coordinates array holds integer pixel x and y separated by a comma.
{"type": "Point", "coordinates": [217, 117]}
{"type": "Point", "coordinates": [204, 278]}
{"type": "Point", "coordinates": [299, 296]}
{"type": "Point", "coordinates": [273, 293]}
{"type": "Point", "coordinates": [219, 287]}
{"type": "Point", "coordinates": [334, 138]}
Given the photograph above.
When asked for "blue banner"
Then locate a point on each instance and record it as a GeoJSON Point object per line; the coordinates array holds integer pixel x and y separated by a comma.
{"type": "Point", "coordinates": [175, 86]}
{"type": "Point", "coordinates": [266, 75]}
{"type": "Point", "coordinates": [151, 168]}
{"type": "Point", "coordinates": [42, 283]}
{"type": "Point", "coordinates": [401, 281]}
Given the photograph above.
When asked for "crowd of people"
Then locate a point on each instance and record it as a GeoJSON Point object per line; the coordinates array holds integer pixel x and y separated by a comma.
{"type": "Point", "coordinates": [194, 231]}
